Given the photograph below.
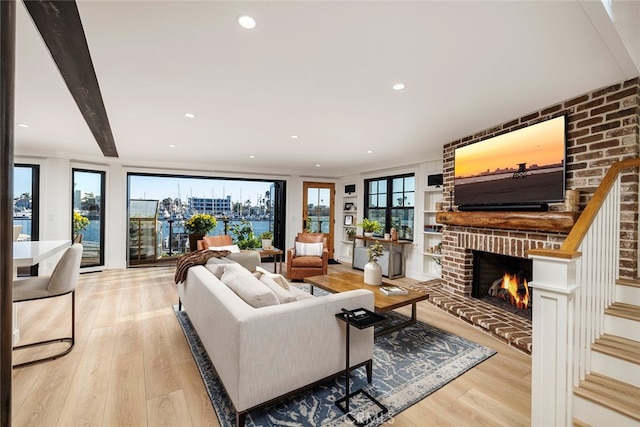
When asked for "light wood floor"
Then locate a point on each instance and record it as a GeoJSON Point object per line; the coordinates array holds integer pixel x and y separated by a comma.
{"type": "Point", "coordinates": [132, 367]}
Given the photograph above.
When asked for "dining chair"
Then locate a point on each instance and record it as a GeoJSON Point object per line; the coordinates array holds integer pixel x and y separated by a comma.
{"type": "Point", "coordinates": [62, 281]}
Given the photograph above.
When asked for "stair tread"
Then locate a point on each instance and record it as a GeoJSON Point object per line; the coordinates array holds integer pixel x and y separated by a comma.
{"type": "Point", "coordinates": [619, 347]}
{"type": "Point", "coordinates": [613, 394]}
{"type": "Point", "coordinates": [580, 423]}
{"type": "Point", "coordinates": [628, 311]}
{"type": "Point", "coordinates": [629, 282]}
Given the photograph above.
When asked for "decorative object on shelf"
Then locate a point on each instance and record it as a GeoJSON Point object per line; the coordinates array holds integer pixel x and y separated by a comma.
{"type": "Point", "coordinates": [267, 239]}
{"type": "Point", "coordinates": [80, 223]}
{"type": "Point", "coordinates": [373, 270]}
{"type": "Point", "coordinates": [440, 206]}
{"type": "Point", "coordinates": [369, 226]}
{"type": "Point", "coordinates": [348, 220]}
{"type": "Point", "coordinates": [349, 206]}
{"type": "Point", "coordinates": [350, 233]}
{"type": "Point", "coordinates": [198, 226]}
{"type": "Point", "coordinates": [394, 234]}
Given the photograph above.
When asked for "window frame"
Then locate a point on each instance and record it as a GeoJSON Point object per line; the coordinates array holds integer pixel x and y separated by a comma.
{"type": "Point", "coordinates": [389, 207]}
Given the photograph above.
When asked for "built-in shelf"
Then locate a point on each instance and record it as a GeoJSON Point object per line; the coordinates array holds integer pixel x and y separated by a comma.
{"type": "Point", "coordinates": [560, 222]}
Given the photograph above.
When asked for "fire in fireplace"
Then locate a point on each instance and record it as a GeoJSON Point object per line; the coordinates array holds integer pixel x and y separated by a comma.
{"type": "Point", "coordinates": [503, 281]}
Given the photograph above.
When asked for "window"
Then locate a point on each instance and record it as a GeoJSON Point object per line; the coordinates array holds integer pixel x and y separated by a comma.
{"type": "Point", "coordinates": [88, 203]}
{"type": "Point", "coordinates": [26, 207]}
{"type": "Point", "coordinates": [390, 201]}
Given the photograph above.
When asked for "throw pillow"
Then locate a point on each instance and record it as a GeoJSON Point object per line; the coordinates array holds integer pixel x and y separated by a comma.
{"type": "Point", "coordinates": [247, 287]}
{"type": "Point", "coordinates": [278, 278]}
{"type": "Point", "coordinates": [234, 249]}
{"type": "Point", "coordinates": [308, 249]}
{"type": "Point", "coordinates": [283, 296]}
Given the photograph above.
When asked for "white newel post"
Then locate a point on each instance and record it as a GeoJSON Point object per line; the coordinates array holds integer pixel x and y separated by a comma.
{"type": "Point", "coordinates": [554, 288]}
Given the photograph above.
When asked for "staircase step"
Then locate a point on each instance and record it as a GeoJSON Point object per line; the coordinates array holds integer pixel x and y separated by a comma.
{"type": "Point", "coordinates": [619, 347]}
{"type": "Point", "coordinates": [629, 282]}
{"type": "Point", "coordinates": [628, 291]}
{"type": "Point", "coordinates": [622, 320]}
{"type": "Point", "coordinates": [580, 423]}
{"type": "Point", "coordinates": [613, 394]}
{"type": "Point", "coordinates": [617, 357]}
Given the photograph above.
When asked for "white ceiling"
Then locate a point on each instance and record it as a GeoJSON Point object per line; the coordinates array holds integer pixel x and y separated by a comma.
{"type": "Point", "coordinates": [320, 70]}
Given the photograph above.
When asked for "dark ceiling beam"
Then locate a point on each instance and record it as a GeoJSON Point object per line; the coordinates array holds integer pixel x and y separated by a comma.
{"type": "Point", "coordinates": [61, 29]}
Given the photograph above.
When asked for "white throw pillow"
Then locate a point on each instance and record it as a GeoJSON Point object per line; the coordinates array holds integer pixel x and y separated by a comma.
{"type": "Point", "coordinates": [234, 249]}
{"type": "Point", "coordinates": [247, 287]}
{"type": "Point", "coordinates": [308, 249]}
{"type": "Point", "coordinates": [283, 295]}
{"type": "Point", "coordinates": [278, 278]}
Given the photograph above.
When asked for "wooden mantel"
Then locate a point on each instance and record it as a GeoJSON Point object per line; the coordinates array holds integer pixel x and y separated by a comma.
{"type": "Point", "coordinates": [560, 222]}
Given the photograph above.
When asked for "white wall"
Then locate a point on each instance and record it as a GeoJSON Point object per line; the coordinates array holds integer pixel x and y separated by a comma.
{"type": "Point", "coordinates": [56, 187]}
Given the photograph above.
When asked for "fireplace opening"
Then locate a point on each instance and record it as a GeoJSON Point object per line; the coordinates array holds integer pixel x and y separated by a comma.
{"type": "Point", "coordinates": [503, 281]}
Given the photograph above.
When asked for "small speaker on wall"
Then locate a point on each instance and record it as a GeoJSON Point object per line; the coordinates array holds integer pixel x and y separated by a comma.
{"type": "Point", "coordinates": [350, 188]}
{"type": "Point", "coordinates": [434, 180]}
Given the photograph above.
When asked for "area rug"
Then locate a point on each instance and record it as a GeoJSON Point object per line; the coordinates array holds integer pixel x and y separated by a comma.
{"type": "Point", "coordinates": [408, 365]}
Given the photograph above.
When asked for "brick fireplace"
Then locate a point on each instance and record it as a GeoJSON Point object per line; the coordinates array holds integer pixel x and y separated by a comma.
{"type": "Point", "coordinates": [602, 128]}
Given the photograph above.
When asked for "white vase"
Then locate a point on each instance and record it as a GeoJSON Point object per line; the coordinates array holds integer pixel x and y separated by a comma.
{"type": "Point", "coordinates": [373, 274]}
{"type": "Point", "coordinates": [368, 234]}
{"type": "Point", "coordinates": [266, 243]}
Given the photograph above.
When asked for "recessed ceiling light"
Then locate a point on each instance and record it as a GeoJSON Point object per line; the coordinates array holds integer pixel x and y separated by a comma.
{"type": "Point", "coordinates": [252, 156]}
{"type": "Point", "coordinates": [398, 86]}
{"type": "Point", "coordinates": [172, 145]}
{"type": "Point", "coordinates": [369, 151]}
{"type": "Point", "coordinates": [317, 165]}
{"type": "Point", "coordinates": [189, 115]}
{"type": "Point", "coordinates": [246, 22]}
{"type": "Point", "coordinates": [294, 137]}
{"type": "Point", "coordinates": [22, 125]}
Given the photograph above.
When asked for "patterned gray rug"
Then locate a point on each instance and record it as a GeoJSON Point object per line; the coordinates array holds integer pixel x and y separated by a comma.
{"type": "Point", "coordinates": [408, 365]}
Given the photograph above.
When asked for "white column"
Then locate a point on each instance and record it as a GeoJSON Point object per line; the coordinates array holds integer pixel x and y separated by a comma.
{"type": "Point", "coordinates": [552, 354]}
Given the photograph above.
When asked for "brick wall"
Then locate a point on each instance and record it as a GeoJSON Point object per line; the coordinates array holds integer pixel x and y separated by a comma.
{"type": "Point", "coordinates": [602, 128]}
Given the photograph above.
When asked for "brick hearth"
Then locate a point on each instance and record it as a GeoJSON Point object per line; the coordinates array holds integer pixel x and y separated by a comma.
{"type": "Point", "coordinates": [508, 327]}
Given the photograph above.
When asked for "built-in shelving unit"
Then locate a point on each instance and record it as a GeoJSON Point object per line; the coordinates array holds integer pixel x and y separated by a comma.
{"type": "Point", "coordinates": [432, 233]}
{"type": "Point", "coordinates": [349, 224]}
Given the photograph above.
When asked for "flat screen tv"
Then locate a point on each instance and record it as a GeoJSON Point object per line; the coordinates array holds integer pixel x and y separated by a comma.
{"type": "Point", "coordinates": [519, 170]}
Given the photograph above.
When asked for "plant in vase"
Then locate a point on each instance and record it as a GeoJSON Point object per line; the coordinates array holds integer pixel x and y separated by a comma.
{"type": "Point", "coordinates": [198, 226]}
{"type": "Point", "coordinates": [351, 233]}
{"type": "Point", "coordinates": [80, 223]}
{"type": "Point", "coordinates": [370, 226]}
{"type": "Point", "coordinates": [372, 270]}
{"type": "Point", "coordinates": [267, 239]}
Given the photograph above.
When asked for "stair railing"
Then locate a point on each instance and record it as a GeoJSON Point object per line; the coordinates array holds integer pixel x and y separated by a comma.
{"type": "Point", "coordinates": [572, 287]}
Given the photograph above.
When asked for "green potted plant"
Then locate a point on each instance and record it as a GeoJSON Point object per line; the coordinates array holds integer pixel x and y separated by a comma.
{"type": "Point", "coordinates": [351, 233]}
{"type": "Point", "coordinates": [198, 226]}
{"type": "Point", "coordinates": [80, 223]}
{"type": "Point", "coordinates": [370, 226]}
{"type": "Point", "coordinates": [267, 239]}
{"type": "Point", "coordinates": [243, 235]}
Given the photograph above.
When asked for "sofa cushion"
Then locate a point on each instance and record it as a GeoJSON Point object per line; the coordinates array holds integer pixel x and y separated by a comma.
{"type": "Point", "coordinates": [247, 287]}
{"type": "Point", "coordinates": [308, 249]}
{"type": "Point", "coordinates": [234, 249]}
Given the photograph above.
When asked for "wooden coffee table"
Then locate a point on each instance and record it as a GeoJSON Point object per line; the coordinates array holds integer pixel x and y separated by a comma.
{"type": "Point", "coordinates": [342, 282]}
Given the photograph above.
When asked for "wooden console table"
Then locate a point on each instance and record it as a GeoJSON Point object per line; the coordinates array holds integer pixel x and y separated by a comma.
{"type": "Point", "coordinates": [399, 244]}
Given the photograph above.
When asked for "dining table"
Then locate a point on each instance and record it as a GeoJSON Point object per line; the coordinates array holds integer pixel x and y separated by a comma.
{"type": "Point", "coordinates": [28, 253]}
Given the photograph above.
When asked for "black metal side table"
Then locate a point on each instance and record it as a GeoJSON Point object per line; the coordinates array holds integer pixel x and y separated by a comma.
{"type": "Point", "coordinates": [361, 318]}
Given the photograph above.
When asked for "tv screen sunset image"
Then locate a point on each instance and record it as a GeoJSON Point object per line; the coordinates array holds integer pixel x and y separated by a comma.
{"type": "Point", "coordinates": [526, 165]}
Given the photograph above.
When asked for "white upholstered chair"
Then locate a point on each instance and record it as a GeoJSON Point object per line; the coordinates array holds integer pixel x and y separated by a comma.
{"type": "Point", "coordinates": [62, 281]}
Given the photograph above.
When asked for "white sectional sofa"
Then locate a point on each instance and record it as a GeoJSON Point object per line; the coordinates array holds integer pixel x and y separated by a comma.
{"type": "Point", "coordinates": [263, 354]}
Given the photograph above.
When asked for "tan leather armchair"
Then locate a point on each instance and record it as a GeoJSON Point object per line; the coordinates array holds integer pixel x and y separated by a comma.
{"type": "Point", "coordinates": [299, 267]}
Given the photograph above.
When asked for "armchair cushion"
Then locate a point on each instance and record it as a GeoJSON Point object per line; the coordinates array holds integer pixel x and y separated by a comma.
{"type": "Point", "coordinates": [308, 249]}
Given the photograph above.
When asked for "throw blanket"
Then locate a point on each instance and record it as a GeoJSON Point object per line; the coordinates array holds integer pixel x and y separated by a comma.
{"type": "Point", "coordinates": [195, 258]}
